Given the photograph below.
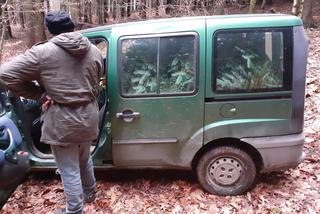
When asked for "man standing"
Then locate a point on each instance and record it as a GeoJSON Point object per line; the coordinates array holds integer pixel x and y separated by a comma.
{"type": "Point", "coordinates": [67, 69]}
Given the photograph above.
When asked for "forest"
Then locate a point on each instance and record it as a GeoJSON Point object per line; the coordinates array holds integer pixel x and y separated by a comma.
{"type": "Point", "coordinates": [146, 191]}
{"type": "Point", "coordinates": [29, 14]}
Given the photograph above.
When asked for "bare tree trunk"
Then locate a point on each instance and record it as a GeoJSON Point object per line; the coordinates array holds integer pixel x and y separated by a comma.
{"type": "Point", "coordinates": [74, 9]}
{"type": "Point", "coordinates": [168, 7]}
{"type": "Point", "coordinates": [20, 14]}
{"type": "Point", "coordinates": [48, 5]}
{"type": "Point", "coordinates": [100, 11]}
{"type": "Point", "coordinates": [297, 7]}
{"type": "Point", "coordinates": [39, 27]}
{"type": "Point", "coordinates": [105, 11]}
{"type": "Point", "coordinates": [63, 5]}
{"type": "Point", "coordinates": [79, 10]}
{"type": "Point", "coordinates": [88, 11]}
{"type": "Point", "coordinates": [303, 9]}
{"type": "Point", "coordinates": [143, 9]}
{"type": "Point", "coordinates": [161, 9]}
{"type": "Point", "coordinates": [6, 23]}
{"type": "Point", "coordinates": [118, 10]}
{"type": "Point", "coordinates": [149, 8]}
{"type": "Point", "coordinates": [252, 8]}
{"type": "Point", "coordinates": [3, 4]}
{"type": "Point", "coordinates": [218, 7]}
{"type": "Point", "coordinates": [307, 13]}
{"type": "Point", "coordinates": [29, 15]}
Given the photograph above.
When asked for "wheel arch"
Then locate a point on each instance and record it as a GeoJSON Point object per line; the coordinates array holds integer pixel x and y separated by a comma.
{"type": "Point", "coordinates": [233, 142]}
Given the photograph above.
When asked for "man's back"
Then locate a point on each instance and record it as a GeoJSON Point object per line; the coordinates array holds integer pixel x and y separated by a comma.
{"type": "Point", "coordinates": [68, 68]}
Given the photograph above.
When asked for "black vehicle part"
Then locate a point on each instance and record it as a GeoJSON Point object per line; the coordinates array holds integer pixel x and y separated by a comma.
{"type": "Point", "coordinates": [226, 170]}
{"type": "Point", "coordinates": [13, 172]}
{"type": "Point", "coordinates": [36, 135]}
{"type": "Point", "coordinates": [11, 175]}
{"type": "Point", "coordinates": [14, 165]}
{"type": "Point", "coordinates": [29, 112]}
{"type": "Point", "coordinates": [9, 135]}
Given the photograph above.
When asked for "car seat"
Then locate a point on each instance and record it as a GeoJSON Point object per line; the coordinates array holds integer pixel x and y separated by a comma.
{"type": "Point", "coordinates": [10, 134]}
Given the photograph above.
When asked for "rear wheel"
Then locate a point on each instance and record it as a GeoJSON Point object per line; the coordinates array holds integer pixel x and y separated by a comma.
{"type": "Point", "coordinates": [226, 170]}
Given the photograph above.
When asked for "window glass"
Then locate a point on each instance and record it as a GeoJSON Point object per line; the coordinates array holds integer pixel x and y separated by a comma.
{"type": "Point", "coordinates": [158, 65]}
{"type": "Point", "coordinates": [101, 44]}
{"type": "Point", "coordinates": [139, 61]}
{"type": "Point", "coordinates": [177, 64]}
{"type": "Point", "coordinates": [249, 61]}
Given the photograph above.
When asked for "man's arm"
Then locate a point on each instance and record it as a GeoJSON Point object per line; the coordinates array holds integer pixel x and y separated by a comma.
{"type": "Point", "coordinates": [18, 75]}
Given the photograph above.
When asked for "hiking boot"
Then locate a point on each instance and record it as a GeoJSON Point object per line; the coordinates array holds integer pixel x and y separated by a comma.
{"type": "Point", "coordinates": [60, 211]}
{"type": "Point", "coordinates": [63, 211]}
{"type": "Point", "coordinates": [89, 198]}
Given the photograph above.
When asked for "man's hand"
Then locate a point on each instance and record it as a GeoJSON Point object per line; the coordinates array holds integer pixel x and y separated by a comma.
{"type": "Point", "coordinates": [47, 103]}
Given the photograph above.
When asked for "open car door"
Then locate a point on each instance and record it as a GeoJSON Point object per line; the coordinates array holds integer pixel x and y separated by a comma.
{"type": "Point", "coordinates": [14, 163]}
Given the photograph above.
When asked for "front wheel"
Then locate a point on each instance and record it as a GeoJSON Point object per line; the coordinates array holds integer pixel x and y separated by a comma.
{"type": "Point", "coordinates": [226, 170]}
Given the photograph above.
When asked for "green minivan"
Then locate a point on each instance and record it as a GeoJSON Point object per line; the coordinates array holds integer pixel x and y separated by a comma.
{"type": "Point", "coordinates": [221, 95]}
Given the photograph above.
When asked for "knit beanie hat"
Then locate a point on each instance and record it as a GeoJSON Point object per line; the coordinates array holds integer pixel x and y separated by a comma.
{"type": "Point", "coordinates": [59, 22]}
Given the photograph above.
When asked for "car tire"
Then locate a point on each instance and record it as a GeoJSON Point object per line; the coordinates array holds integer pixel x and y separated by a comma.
{"type": "Point", "coordinates": [226, 170]}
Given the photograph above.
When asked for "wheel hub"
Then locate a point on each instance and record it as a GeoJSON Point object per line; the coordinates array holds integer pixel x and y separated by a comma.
{"type": "Point", "coordinates": [225, 171]}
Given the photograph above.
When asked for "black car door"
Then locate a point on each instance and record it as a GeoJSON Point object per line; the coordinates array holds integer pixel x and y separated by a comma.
{"type": "Point", "coordinates": [14, 163]}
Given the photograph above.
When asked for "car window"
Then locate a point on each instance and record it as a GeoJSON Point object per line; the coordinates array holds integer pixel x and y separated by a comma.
{"type": "Point", "coordinates": [101, 44]}
{"type": "Point", "coordinates": [158, 65]}
{"type": "Point", "coordinates": [251, 60]}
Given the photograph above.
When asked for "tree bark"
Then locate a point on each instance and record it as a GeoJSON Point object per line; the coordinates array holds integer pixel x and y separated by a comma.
{"type": "Point", "coordinates": [307, 13]}
{"type": "Point", "coordinates": [219, 7]}
{"type": "Point", "coordinates": [303, 9]}
{"type": "Point", "coordinates": [6, 24]}
{"type": "Point", "coordinates": [143, 8]}
{"type": "Point", "coordinates": [252, 8]}
{"type": "Point", "coordinates": [29, 15]}
{"type": "Point", "coordinates": [100, 11]}
{"type": "Point", "coordinates": [3, 4]}
{"type": "Point", "coordinates": [40, 34]}
{"type": "Point", "coordinates": [20, 14]}
{"type": "Point", "coordinates": [87, 11]}
{"type": "Point", "coordinates": [297, 7]}
{"type": "Point", "coordinates": [265, 2]}
{"type": "Point", "coordinates": [161, 9]}
{"type": "Point", "coordinates": [48, 5]}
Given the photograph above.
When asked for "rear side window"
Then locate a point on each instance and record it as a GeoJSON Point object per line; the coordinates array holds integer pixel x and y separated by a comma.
{"type": "Point", "coordinates": [158, 65]}
{"type": "Point", "coordinates": [252, 60]}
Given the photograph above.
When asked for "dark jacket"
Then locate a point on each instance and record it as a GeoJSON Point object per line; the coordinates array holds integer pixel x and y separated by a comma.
{"type": "Point", "coordinates": [67, 68]}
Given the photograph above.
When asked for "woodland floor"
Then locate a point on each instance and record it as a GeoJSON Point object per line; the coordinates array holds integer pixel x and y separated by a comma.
{"type": "Point", "coordinates": [292, 191]}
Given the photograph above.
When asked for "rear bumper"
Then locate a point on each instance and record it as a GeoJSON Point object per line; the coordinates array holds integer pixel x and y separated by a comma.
{"type": "Point", "coordinates": [279, 152]}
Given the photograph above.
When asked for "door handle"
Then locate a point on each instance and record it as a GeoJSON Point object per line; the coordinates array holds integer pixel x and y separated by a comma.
{"type": "Point", "coordinates": [128, 115]}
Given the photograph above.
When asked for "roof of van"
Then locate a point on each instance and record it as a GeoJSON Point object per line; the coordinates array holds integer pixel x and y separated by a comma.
{"type": "Point", "coordinates": [284, 19]}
